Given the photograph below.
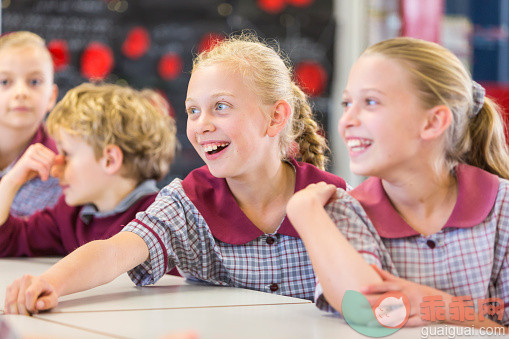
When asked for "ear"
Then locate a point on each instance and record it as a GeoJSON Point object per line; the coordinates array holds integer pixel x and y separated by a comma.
{"type": "Point", "coordinates": [279, 116]}
{"type": "Point", "coordinates": [112, 159]}
{"type": "Point", "coordinates": [438, 119]}
{"type": "Point", "coordinates": [53, 98]}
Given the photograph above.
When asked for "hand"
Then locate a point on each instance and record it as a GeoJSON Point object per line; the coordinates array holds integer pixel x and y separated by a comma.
{"type": "Point", "coordinates": [415, 293]}
{"type": "Point", "coordinates": [321, 192]}
{"type": "Point", "coordinates": [37, 160]}
{"type": "Point", "coordinates": [28, 295]}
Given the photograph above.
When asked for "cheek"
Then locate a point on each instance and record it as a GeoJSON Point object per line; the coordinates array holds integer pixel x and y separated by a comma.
{"type": "Point", "coordinates": [189, 132]}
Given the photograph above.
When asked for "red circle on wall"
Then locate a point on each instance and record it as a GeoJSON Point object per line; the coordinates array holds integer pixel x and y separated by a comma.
{"type": "Point", "coordinates": [96, 61]}
{"type": "Point", "coordinates": [170, 66]}
{"type": "Point", "coordinates": [136, 43]}
{"type": "Point", "coordinates": [271, 6]}
{"type": "Point", "coordinates": [59, 53]}
{"type": "Point", "coordinates": [312, 77]}
{"type": "Point", "coordinates": [208, 41]}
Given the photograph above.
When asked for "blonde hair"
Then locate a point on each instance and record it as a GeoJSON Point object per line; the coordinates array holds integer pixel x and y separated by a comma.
{"type": "Point", "coordinates": [474, 138]}
{"type": "Point", "coordinates": [26, 39]}
{"type": "Point", "coordinates": [113, 115]}
{"type": "Point", "coordinates": [269, 75]}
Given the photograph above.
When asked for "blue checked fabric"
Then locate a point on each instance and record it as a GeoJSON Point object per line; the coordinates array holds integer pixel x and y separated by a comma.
{"type": "Point", "coordinates": [177, 235]}
{"type": "Point", "coordinates": [465, 261]}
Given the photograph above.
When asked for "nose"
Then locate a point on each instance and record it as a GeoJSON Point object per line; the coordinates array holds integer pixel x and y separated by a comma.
{"type": "Point", "coordinates": [205, 123]}
{"type": "Point", "coordinates": [20, 89]}
{"type": "Point", "coordinates": [350, 117]}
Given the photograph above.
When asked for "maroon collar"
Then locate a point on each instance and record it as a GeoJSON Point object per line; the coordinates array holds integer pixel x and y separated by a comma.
{"type": "Point", "coordinates": [41, 136]}
{"type": "Point", "coordinates": [477, 193]}
{"type": "Point", "coordinates": [227, 222]}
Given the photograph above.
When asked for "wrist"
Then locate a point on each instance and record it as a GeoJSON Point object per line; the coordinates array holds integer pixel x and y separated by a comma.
{"type": "Point", "coordinates": [10, 184]}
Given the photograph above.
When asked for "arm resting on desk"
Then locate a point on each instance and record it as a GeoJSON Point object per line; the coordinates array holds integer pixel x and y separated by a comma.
{"type": "Point", "coordinates": [91, 265]}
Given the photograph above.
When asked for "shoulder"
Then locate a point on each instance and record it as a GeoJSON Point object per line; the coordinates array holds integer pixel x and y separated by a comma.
{"type": "Point", "coordinates": [42, 136]}
{"type": "Point", "coordinates": [145, 201]}
{"type": "Point", "coordinates": [309, 174]}
{"type": "Point", "coordinates": [346, 209]}
{"type": "Point", "coordinates": [502, 200]}
{"type": "Point", "coordinates": [199, 180]}
{"type": "Point", "coordinates": [173, 191]}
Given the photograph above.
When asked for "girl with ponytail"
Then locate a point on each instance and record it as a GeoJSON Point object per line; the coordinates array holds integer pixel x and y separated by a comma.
{"type": "Point", "coordinates": [433, 218]}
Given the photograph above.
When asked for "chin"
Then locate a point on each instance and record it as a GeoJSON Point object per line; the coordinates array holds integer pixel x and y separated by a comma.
{"type": "Point", "coordinates": [71, 202]}
{"type": "Point", "coordinates": [360, 170]}
{"type": "Point", "coordinates": [218, 173]}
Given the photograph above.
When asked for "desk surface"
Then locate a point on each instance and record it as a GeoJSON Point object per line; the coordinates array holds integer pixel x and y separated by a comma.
{"type": "Point", "coordinates": [121, 310]}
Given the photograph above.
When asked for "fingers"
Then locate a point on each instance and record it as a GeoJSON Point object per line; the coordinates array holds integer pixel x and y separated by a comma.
{"type": "Point", "coordinates": [46, 303]}
{"type": "Point", "coordinates": [37, 159]}
{"type": "Point", "coordinates": [29, 295]}
{"type": "Point", "coordinates": [11, 297]}
{"type": "Point", "coordinates": [323, 191]}
{"type": "Point", "coordinates": [57, 169]}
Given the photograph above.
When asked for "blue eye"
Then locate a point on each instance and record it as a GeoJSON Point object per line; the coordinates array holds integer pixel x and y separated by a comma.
{"type": "Point", "coordinates": [371, 102]}
{"type": "Point", "coordinates": [192, 110]}
{"type": "Point", "coordinates": [221, 106]}
{"type": "Point", "coordinates": [4, 82]}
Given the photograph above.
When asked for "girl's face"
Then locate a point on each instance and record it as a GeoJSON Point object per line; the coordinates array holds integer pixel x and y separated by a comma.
{"type": "Point", "coordinates": [81, 176]}
{"type": "Point", "coordinates": [382, 117]}
{"type": "Point", "coordinates": [27, 91]}
{"type": "Point", "coordinates": [226, 123]}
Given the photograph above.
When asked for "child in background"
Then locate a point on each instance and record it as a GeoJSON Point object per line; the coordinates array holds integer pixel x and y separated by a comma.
{"type": "Point", "coordinates": [225, 222]}
{"type": "Point", "coordinates": [114, 144]}
{"type": "Point", "coordinates": [433, 218]}
{"type": "Point", "coordinates": [27, 94]}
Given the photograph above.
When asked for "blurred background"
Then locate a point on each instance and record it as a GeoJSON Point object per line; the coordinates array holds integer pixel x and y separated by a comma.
{"type": "Point", "coordinates": [151, 43]}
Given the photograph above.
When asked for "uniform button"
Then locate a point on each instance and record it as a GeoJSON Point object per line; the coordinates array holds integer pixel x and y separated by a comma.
{"type": "Point", "coordinates": [270, 240]}
{"type": "Point", "coordinates": [274, 287]}
{"type": "Point", "coordinates": [431, 244]}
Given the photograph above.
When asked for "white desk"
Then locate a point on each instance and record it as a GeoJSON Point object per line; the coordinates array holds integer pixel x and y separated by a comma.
{"type": "Point", "coordinates": [121, 310]}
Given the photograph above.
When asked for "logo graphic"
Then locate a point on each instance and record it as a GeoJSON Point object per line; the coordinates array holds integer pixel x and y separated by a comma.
{"type": "Point", "coordinates": [388, 314]}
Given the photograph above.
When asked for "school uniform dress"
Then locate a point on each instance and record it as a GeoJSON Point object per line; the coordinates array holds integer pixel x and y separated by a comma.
{"type": "Point", "coordinates": [35, 194]}
{"type": "Point", "coordinates": [61, 229]}
{"type": "Point", "coordinates": [196, 225]}
{"type": "Point", "coordinates": [468, 257]}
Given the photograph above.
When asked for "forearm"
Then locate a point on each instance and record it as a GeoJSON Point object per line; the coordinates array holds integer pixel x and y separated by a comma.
{"type": "Point", "coordinates": [8, 191]}
{"type": "Point", "coordinates": [337, 264]}
{"type": "Point", "coordinates": [96, 263]}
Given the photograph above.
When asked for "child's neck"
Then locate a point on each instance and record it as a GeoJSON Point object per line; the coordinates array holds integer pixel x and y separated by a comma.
{"type": "Point", "coordinates": [423, 199]}
{"type": "Point", "coordinates": [13, 143]}
{"type": "Point", "coordinates": [118, 188]}
{"type": "Point", "coordinates": [263, 198]}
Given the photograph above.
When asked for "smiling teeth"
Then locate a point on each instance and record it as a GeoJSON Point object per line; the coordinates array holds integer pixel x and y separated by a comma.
{"type": "Point", "coordinates": [213, 147]}
{"type": "Point", "coordinates": [356, 144]}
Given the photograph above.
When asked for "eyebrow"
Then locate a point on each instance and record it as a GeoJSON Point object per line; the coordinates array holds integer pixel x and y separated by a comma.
{"type": "Point", "coordinates": [364, 90]}
{"type": "Point", "coordinates": [216, 95]}
{"type": "Point", "coordinates": [37, 72]}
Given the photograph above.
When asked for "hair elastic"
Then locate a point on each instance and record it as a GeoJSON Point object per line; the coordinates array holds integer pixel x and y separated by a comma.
{"type": "Point", "coordinates": [478, 93]}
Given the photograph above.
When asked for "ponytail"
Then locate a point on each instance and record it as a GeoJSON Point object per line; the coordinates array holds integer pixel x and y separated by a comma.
{"type": "Point", "coordinates": [488, 147]}
{"type": "Point", "coordinates": [311, 145]}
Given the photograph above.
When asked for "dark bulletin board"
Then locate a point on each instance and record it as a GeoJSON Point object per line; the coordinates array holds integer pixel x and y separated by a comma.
{"type": "Point", "coordinates": [304, 29]}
